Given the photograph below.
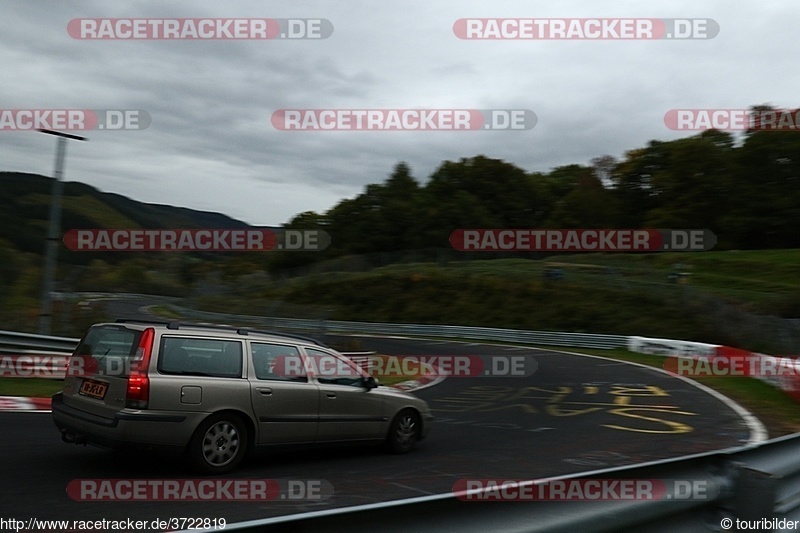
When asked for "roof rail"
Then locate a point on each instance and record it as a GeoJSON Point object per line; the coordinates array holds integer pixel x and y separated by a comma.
{"type": "Point", "coordinates": [178, 324]}
{"type": "Point", "coordinates": [140, 321]}
{"type": "Point", "coordinates": [312, 340]}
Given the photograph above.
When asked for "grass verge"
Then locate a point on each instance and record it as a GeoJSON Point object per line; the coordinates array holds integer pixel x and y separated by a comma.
{"type": "Point", "coordinates": [31, 387]}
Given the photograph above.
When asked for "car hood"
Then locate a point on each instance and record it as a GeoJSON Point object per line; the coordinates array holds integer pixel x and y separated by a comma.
{"type": "Point", "coordinates": [397, 393]}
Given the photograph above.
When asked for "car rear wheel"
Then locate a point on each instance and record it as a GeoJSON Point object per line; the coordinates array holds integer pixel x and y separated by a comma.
{"type": "Point", "coordinates": [219, 444]}
{"type": "Point", "coordinates": [404, 432]}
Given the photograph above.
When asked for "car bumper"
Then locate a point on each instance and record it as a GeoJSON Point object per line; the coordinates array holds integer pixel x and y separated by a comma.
{"type": "Point", "coordinates": [128, 428]}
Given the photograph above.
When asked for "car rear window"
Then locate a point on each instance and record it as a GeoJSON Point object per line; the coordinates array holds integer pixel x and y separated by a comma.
{"type": "Point", "coordinates": [107, 350]}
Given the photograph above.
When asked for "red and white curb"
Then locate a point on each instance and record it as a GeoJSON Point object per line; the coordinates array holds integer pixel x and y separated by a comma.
{"type": "Point", "coordinates": [23, 404]}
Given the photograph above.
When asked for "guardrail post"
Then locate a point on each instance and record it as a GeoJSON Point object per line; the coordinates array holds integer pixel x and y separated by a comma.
{"type": "Point", "coordinates": [755, 494]}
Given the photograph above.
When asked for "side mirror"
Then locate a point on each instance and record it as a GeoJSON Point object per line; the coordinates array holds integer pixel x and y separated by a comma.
{"type": "Point", "coordinates": [370, 383]}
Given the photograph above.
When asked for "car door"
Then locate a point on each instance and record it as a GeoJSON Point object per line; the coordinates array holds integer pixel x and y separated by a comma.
{"type": "Point", "coordinates": [285, 402]}
{"type": "Point", "coordinates": [348, 410]}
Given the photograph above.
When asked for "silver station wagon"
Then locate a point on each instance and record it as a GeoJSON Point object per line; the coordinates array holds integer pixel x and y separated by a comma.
{"type": "Point", "coordinates": [216, 393]}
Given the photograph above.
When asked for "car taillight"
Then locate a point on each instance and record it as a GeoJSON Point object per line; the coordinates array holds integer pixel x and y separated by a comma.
{"type": "Point", "coordinates": [138, 392]}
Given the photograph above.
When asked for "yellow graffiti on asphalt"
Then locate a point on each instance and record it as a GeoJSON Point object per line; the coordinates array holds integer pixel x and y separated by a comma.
{"type": "Point", "coordinates": [564, 401]}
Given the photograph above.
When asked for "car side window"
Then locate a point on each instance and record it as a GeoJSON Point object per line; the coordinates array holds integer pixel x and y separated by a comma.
{"type": "Point", "coordinates": [331, 369]}
{"type": "Point", "coordinates": [200, 357]}
{"type": "Point", "coordinates": [277, 362]}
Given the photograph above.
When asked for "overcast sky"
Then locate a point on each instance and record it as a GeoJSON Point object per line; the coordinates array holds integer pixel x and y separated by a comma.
{"type": "Point", "coordinates": [211, 144]}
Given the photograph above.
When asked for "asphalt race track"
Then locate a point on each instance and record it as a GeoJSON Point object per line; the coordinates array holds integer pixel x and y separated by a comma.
{"type": "Point", "coordinates": [573, 414]}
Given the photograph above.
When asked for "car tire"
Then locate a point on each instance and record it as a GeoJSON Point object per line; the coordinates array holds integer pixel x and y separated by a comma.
{"type": "Point", "coordinates": [219, 444]}
{"type": "Point", "coordinates": [404, 431]}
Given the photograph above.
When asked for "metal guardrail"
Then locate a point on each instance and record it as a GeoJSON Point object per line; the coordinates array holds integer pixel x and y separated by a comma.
{"type": "Point", "coordinates": [547, 338]}
{"type": "Point", "coordinates": [27, 354]}
{"type": "Point", "coordinates": [13, 342]}
{"type": "Point", "coordinates": [747, 483]}
{"type": "Point", "coordinates": [24, 344]}
{"type": "Point", "coordinates": [16, 343]}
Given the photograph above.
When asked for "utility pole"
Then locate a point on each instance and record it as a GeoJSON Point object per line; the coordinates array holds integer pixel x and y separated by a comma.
{"type": "Point", "coordinates": [53, 230]}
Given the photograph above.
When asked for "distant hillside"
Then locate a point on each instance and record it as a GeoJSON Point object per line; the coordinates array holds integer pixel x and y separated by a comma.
{"type": "Point", "coordinates": [25, 200]}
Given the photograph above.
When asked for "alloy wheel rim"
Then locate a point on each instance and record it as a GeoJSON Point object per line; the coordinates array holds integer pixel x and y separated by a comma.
{"type": "Point", "coordinates": [221, 443]}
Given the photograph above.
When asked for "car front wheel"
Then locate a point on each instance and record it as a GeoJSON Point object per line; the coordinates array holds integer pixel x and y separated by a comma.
{"type": "Point", "coordinates": [404, 432]}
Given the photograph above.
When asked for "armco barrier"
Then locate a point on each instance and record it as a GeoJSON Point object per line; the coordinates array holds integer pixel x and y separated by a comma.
{"type": "Point", "coordinates": [16, 343]}
{"type": "Point", "coordinates": [16, 348]}
{"type": "Point", "coordinates": [755, 484]}
{"type": "Point", "coordinates": [32, 355]}
{"type": "Point", "coordinates": [547, 338]}
{"type": "Point", "coordinates": [20, 345]}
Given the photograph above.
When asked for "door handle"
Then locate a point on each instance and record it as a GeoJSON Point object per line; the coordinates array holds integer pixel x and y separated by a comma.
{"type": "Point", "coordinates": [265, 391]}
{"type": "Point", "coordinates": [330, 394]}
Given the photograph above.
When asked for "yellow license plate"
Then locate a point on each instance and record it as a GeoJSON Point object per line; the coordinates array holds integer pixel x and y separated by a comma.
{"type": "Point", "coordinates": [93, 389]}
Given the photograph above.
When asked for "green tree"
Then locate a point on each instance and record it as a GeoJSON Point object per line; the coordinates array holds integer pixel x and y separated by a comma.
{"type": "Point", "coordinates": [632, 183]}
{"type": "Point", "coordinates": [692, 187]}
{"type": "Point", "coordinates": [587, 205]}
{"type": "Point", "coordinates": [764, 210]}
{"type": "Point", "coordinates": [480, 193]}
